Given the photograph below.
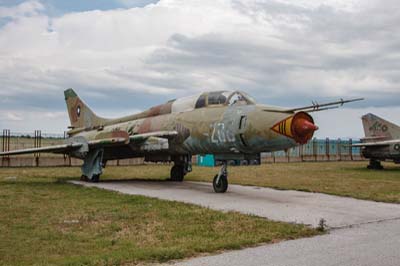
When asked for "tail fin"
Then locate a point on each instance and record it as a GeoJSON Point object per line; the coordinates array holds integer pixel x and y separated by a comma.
{"type": "Point", "coordinates": [80, 114]}
{"type": "Point", "coordinates": [375, 126]}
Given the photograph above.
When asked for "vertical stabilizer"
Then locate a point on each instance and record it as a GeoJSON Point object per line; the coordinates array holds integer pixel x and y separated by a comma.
{"type": "Point", "coordinates": [375, 126]}
{"type": "Point", "coordinates": [79, 113]}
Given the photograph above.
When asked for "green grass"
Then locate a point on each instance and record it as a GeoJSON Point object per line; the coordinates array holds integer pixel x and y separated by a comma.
{"type": "Point", "coordinates": [46, 221]}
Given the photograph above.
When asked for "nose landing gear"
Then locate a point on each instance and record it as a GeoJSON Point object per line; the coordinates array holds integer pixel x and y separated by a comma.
{"type": "Point", "coordinates": [220, 182]}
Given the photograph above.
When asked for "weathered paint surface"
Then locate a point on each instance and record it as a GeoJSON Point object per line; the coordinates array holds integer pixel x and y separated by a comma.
{"type": "Point", "coordinates": [217, 122]}
{"type": "Point", "coordinates": [382, 139]}
{"type": "Point", "coordinates": [228, 124]}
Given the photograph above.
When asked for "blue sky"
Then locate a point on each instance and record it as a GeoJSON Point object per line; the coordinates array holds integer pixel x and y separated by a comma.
{"type": "Point", "coordinates": [122, 56]}
{"type": "Point", "coordinates": [65, 6]}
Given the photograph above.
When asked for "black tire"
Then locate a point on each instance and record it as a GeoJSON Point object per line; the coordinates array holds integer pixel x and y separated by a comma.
{"type": "Point", "coordinates": [375, 165]}
{"type": "Point", "coordinates": [95, 178]}
{"type": "Point", "coordinates": [84, 178]}
{"type": "Point", "coordinates": [177, 173]}
{"type": "Point", "coordinates": [222, 185]}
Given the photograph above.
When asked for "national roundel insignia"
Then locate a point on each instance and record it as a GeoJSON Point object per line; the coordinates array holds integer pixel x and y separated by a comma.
{"type": "Point", "coordinates": [78, 111]}
{"type": "Point", "coordinates": [384, 128]}
{"type": "Point", "coordinates": [397, 147]}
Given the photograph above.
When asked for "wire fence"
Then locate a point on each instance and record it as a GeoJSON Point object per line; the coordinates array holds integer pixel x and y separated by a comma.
{"type": "Point", "coordinates": [315, 150]}
{"type": "Point", "coordinates": [318, 150]}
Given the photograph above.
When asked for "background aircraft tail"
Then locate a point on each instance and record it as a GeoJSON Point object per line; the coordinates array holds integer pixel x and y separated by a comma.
{"type": "Point", "coordinates": [375, 126]}
{"type": "Point", "coordinates": [80, 114]}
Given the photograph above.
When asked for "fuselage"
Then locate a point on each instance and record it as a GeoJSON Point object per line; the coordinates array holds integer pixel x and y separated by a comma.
{"type": "Point", "coordinates": [389, 152]}
{"type": "Point", "coordinates": [216, 122]}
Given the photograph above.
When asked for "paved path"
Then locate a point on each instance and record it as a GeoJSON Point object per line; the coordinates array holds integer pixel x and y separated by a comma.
{"type": "Point", "coordinates": [288, 206]}
{"type": "Point", "coordinates": [376, 244]}
{"type": "Point", "coordinates": [365, 233]}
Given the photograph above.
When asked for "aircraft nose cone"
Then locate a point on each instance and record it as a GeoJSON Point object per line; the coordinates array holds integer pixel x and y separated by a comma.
{"type": "Point", "coordinates": [299, 127]}
{"type": "Point", "coordinates": [304, 127]}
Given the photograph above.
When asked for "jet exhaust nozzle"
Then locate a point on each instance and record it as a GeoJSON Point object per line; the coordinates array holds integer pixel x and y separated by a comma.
{"type": "Point", "coordinates": [299, 127]}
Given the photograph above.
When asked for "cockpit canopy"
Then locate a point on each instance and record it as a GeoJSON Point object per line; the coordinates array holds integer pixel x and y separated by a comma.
{"type": "Point", "coordinates": [214, 98]}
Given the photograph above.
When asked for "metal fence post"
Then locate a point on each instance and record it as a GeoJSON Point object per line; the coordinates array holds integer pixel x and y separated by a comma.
{"type": "Point", "coordinates": [6, 146]}
{"type": "Point", "coordinates": [327, 150]}
{"type": "Point", "coordinates": [339, 150]}
{"type": "Point", "coordinates": [315, 151]}
{"type": "Point", "coordinates": [300, 153]}
{"type": "Point", "coordinates": [65, 155]}
{"type": "Point", "coordinates": [351, 149]}
{"type": "Point", "coordinates": [2, 147]}
{"type": "Point", "coordinates": [37, 144]}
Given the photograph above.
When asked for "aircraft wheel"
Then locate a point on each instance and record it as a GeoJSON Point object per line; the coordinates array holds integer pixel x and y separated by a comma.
{"type": "Point", "coordinates": [375, 165]}
{"type": "Point", "coordinates": [84, 178]}
{"type": "Point", "coordinates": [95, 178]}
{"type": "Point", "coordinates": [222, 184]}
{"type": "Point", "coordinates": [177, 173]}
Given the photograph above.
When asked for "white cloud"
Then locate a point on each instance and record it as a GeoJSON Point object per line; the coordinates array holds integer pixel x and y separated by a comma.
{"type": "Point", "coordinates": [22, 121]}
{"type": "Point", "coordinates": [29, 8]}
{"type": "Point", "coordinates": [10, 116]}
{"type": "Point", "coordinates": [283, 52]}
{"type": "Point", "coordinates": [137, 3]}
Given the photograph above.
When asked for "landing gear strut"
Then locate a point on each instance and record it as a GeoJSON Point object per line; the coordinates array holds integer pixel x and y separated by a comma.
{"type": "Point", "coordinates": [92, 166]}
{"type": "Point", "coordinates": [375, 165]}
{"type": "Point", "coordinates": [220, 182]}
{"type": "Point", "coordinates": [182, 166]}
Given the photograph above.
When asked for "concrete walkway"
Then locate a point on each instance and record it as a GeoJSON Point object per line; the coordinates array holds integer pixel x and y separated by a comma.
{"type": "Point", "coordinates": [364, 233]}
{"type": "Point", "coordinates": [288, 206]}
{"type": "Point", "coordinates": [375, 244]}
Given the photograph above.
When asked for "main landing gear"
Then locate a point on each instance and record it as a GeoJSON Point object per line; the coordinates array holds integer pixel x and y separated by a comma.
{"type": "Point", "coordinates": [375, 165]}
{"type": "Point", "coordinates": [182, 166]}
{"type": "Point", "coordinates": [220, 182]}
{"type": "Point", "coordinates": [92, 166]}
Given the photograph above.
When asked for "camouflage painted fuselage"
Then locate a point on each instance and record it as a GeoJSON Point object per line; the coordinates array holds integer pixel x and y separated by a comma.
{"type": "Point", "coordinates": [215, 130]}
{"type": "Point", "coordinates": [228, 124]}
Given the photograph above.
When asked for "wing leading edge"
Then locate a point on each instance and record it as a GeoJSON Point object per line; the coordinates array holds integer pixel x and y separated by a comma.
{"type": "Point", "coordinates": [64, 148]}
{"type": "Point", "coordinates": [160, 137]}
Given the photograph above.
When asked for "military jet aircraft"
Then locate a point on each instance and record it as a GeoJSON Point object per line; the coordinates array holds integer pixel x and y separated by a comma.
{"type": "Point", "coordinates": [381, 142]}
{"type": "Point", "coordinates": [228, 124]}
